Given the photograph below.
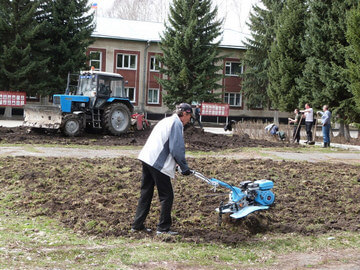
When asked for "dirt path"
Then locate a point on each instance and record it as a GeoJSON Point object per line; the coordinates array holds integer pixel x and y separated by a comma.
{"type": "Point", "coordinates": [350, 157]}
{"type": "Point", "coordinates": [329, 259]}
{"type": "Point", "coordinates": [333, 157]}
{"type": "Point", "coordinates": [38, 151]}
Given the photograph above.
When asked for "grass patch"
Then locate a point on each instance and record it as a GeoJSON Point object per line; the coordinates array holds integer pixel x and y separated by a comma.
{"type": "Point", "coordinates": [41, 242]}
{"type": "Point", "coordinates": [213, 153]}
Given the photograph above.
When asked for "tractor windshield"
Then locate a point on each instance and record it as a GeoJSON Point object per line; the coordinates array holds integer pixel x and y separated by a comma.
{"type": "Point", "coordinates": [111, 86]}
{"type": "Point", "coordinates": [117, 87]}
{"type": "Point", "coordinates": [87, 85]}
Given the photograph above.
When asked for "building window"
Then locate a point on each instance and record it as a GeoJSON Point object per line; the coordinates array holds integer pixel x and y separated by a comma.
{"type": "Point", "coordinates": [233, 68]}
{"type": "Point", "coordinates": [130, 93]}
{"type": "Point", "coordinates": [95, 60]}
{"type": "Point", "coordinates": [233, 99]}
{"type": "Point", "coordinates": [126, 61]}
{"type": "Point", "coordinates": [154, 64]}
{"type": "Point", "coordinates": [153, 96]}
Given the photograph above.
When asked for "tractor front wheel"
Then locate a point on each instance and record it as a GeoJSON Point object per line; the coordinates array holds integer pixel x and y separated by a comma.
{"type": "Point", "coordinates": [72, 125]}
{"type": "Point", "coordinates": [117, 118]}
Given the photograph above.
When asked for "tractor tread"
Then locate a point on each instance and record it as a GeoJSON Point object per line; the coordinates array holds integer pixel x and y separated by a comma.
{"type": "Point", "coordinates": [109, 110]}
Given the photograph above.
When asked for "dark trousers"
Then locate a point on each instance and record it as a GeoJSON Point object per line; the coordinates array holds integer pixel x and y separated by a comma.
{"type": "Point", "coordinates": [308, 127]}
{"type": "Point", "coordinates": [296, 134]}
{"type": "Point", "coordinates": [150, 178]}
{"type": "Point", "coordinates": [198, 120]}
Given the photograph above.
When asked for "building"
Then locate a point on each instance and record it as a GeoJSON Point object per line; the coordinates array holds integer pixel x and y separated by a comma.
{"type": "Point", "coordinates": [129, 48]}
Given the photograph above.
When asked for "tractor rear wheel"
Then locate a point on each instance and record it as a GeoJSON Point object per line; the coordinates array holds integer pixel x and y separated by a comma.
{"type": "Point", "coordinates": [117, 118]}
{"type": "Point", "coordinates": [72, 125]}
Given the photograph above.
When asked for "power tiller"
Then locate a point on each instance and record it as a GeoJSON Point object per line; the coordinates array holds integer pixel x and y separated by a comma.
{"type": "Point", "coordinates": [243, 200]}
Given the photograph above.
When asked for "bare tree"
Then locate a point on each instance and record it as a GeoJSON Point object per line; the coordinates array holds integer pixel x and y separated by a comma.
{"type": "Point", "coordinates": [142, 10]}
{"type": "Point", "coordinates": [235, 13]}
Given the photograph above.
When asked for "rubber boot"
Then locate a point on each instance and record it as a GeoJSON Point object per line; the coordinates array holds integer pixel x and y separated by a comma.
{"type": "Point", "coordinates": [325, 145]}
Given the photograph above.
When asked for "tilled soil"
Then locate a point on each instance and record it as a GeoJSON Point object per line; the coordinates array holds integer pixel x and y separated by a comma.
{"type": "Point", "coordinates": [99, 196]}
{"type": "Point", "coordinates": [195, 139]}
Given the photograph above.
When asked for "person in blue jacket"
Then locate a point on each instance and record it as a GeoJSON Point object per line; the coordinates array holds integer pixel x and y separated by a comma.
{"type": "Point", "coordinates": [163, 150]}
{"type": "Point", "coordinates": [197, 116]}
{"type": "Point", "coordinates": [326, 124]}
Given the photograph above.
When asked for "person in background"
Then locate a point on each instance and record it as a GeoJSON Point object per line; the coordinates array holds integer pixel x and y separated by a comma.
{"type": "Point", "coordinates": [197, 115]}
{"type": "Point", "coordinates": [162, 151]}
{"type": "Point", "coordinates": [297, 125]}
{"type": "Point", "coordinates": [326, 124]}
{"type": "Point", "coordinates": [309, 121]}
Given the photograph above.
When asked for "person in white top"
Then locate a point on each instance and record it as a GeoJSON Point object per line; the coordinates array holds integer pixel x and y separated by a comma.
{"type": "Point", "coordinates": [162, 151]}
{"type": "Point", "coordinates": [309, 120]}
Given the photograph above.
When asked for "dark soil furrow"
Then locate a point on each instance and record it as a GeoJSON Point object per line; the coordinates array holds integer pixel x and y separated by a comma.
{"type": "Point", "coordinates": [99, 196]}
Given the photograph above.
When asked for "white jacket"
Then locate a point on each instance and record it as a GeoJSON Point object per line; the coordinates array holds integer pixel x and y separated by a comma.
{"type": "Point", "coordinates": [165, 146]}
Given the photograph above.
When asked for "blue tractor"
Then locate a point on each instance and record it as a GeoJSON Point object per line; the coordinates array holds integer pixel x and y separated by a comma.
{"type": "Point", "coordinates": [98, 103]}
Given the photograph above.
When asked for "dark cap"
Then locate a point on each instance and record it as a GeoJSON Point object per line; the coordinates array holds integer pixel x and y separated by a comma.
{"type": "Point", "coordinates": [184, 107]}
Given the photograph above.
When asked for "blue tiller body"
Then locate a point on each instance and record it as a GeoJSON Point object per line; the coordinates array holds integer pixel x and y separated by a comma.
{"type": "Point", "coordinates": [246, 199]}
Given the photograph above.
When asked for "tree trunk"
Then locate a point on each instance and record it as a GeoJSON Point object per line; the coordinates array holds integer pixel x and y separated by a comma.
{"type": "Point", "coordinates": [276, 118]}
{"type": "Point", "coordinates": [341, 129]}
{"type": "Point", "coordinates": [43, 100]}
{"type": "Point", "coordinates": [347, 133]}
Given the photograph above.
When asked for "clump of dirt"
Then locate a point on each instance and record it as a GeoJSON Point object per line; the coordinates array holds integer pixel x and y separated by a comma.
{"type": "Point", "coordinates": [99, 196]}
{"type": "Point", "coordinates": [195, 139]}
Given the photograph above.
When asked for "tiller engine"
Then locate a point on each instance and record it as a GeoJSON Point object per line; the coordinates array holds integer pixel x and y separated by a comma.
{"type": "Point", "coordinates": [245, 199]}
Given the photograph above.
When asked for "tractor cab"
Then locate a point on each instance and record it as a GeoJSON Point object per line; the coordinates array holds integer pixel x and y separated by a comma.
{"type": "Point", "coordinates": [100, 84]}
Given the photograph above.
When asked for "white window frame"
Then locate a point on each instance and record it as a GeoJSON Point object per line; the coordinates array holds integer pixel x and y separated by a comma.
{"type": "Point", "coordinates": [157, 101]}
{"type": "Point", "coordinates": [228, 64]}
{"type": "Point", "coordinates": [96, 60]}
{"type": "Point", "coordinates": [156, 68]}
{"type": "Point", "coordinates": [227, 99]}
{"type": "Point", "coordinates": [127, 93]}
{"type": "Point", "coordinates": [128, 65]}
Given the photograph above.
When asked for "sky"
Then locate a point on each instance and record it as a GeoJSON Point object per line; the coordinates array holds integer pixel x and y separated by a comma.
{"type": "Point", "coordinates": [235, 12]}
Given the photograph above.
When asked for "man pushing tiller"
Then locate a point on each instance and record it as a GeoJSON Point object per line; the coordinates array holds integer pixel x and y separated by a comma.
{"type": "Point", "coordinates": [162, 151]}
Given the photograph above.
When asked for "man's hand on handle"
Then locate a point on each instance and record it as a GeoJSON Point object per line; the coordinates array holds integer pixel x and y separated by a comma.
{"type": "Point", "coordinates": [187, 172]}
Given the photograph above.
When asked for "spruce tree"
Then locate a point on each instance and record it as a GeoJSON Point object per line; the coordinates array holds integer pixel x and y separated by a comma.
{"type": "Point", "coordinates": [286, 58]}
{"type": "Point", "coordinates": [262, 27]}
{"type": "Point", "coordinates": [69, 26]}
{"type": "Point", "coordinates": [324, 78]}
{"type": "Point", "coordinates": [353, 54]}
{"type": "Point", "coordinates": [190, 48]}
{"type": "Point", "coordinates": [22, 58]}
